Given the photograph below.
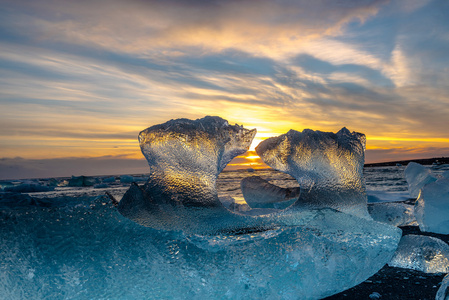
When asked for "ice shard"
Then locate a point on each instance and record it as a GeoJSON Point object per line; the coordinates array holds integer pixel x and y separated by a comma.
{"type": "Point", "coordinates": [328, 167]}
{"type": "Point", "coordinates": [417, 177]}
{"type": "Point", "coordinates": [443, 291]}
{"type": "Point", "coordinates": [84, 249]}
{"type": "Point", "coordinates": [422, 253]}
{"type": "Point", "coordinates": [396, 214]}
{"type": "Point", "coordinates": [432, 207]}
{"type": "Point", "coordinates": [259, 193]}
{"type": "Point", "coordinates": [185, 159]}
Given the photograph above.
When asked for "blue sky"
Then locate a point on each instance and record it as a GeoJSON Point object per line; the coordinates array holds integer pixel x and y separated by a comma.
{"type": "Point", "coordinates": [80, 79]}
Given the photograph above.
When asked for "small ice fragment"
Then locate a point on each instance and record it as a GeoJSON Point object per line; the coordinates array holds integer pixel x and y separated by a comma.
{"type": "Point", "coordinates": [126, 179]}
{"type": "Point", "coordinates": [446, 174]}
{"type": "Point", "coordinates": [432, 207]}
{"type": "Point", "coordinates": [79, 181]}
{"type": "Point", "coordinates": [396, 214]}
{"type": "Point", "coordinates": [375, 295]}
{"type": "Point", "coordinates": [101, 186]}
{"type": "Point", "coordinates": [328, 167]}
{"type": "Point", "coordinates": [443, 291]}
{"type": "Point", "coordinates": [383, 196]}
{"type": "Point", "coordinates": [417, 177]}
{"type": "Point", "coordinates": [422, 253]}
{"type": "Point", "coordinates": [259, 193]}
{"type": "Point", "coordinates": [109, 179]}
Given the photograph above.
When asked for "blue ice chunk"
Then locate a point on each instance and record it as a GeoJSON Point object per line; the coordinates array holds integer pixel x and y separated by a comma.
{"type": "Point", "coordinates": [328, 167]}
{"type": "Point", "coordinates": [417, 177]}
{"type": "Point", "coordinates": [422, 253]}
{"type": "Point", "coordinates": [395, 214]}
{"type": "Point", "coordinates": [109, 179]}
{"type": "Point", "coordinates": [85, 249]}
{"type": "Point", "coordinates": [259, 193]}
{"type": "Point", "coordinates": [443, 291]}
{"type": "Point", "coordinates": [80, 181]}
{"type": "Point", "coordinates": [432, 207]}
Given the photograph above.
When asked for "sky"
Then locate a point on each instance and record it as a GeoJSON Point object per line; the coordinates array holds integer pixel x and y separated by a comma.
{"type": "Point", "coordinates": [80, 79]}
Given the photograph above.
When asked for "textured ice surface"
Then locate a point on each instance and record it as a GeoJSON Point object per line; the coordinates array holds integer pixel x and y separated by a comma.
{"type": "Point", "coordinates": [383, 196]}
{"type": "Point", "coordinates": [259, 193]}
{"type": "Point", "coordinates": [446, 174]}
{"type": "Point", "coordinates": [185, 158]}
{"type": "Point", "coordinates": [82, 181]}
{"type": "Point", "coordinates": [443, 291]}
{"type": "Point", "coordinates": [396, 214]}
{"type": "Point", "coordinates": [328, 167]}
{"type": "Point", "coordinates": [432, 207]}
{"type": "Point", "coordinates": [422, 253]}
{"type": "Point", "coordinates": [82, 248]}
{"type": "Point", "coordinates": [216, 253]}
{"type": "Point", "coordinates": [417, 177]}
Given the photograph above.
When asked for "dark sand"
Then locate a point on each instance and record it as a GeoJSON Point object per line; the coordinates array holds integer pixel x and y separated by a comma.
{"type": "Point", "coordinates": [398, 283]}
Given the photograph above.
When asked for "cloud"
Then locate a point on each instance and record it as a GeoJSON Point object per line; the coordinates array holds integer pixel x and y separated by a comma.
{"type": "Point", "coordinates": [84, 77]}
{"type": "Point", "coordinates": [265, 27]}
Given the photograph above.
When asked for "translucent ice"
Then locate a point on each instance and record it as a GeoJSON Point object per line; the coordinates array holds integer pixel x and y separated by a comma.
{"type": "Point", "coordinates": [432, 207]}
{"type": "Point", "coordinates": [185, 158]}
{"type": "Point", "coordinates": [328, 167]}
{"type": "Point", "coordinates": [443, 291]}
{"type": "Point", "coordinates": [213, 252]}
{"type": "Point", "coordinates": [417, 176]}
{"type": "Point", "coordinates": [84, 249]}
{"type": "Point", "coordinates": [396, 214]}
{"type": "Point", "coordinates": [82, 181]}
{"type": "Point", "coordinates": [422, 253]}
{"type": "Point", "coordinates": [446, 174]}
{"type": "Point", "coordinates": [259, 193]}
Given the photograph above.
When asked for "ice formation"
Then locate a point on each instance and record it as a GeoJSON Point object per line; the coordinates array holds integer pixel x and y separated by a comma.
{"type": "Point", "coordinates": [82, 181]}
{"type": "Point", "coordinates": [443, 291]}
{"type": "Point", "coordinates": [84, 249]}
{"type": "Point", "coordinates": [396, 214]}
{"type": "Point", "coordinates": [185, 158]}
{"type": "Point", "coordinates": [313, 252]}
{"type": "Point", "coordinates": [259, 193]}
{"type": "Point", "coordinates": [328, 167]}
{"type": "Point", "coordinates": [423, 253]}
{"type": "Point", "coordinates": [432, 207]}
{"type": "Point", "coordinates": [417, 177]}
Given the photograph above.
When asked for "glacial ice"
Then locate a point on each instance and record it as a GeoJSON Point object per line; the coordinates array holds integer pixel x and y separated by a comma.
{"type": "Point", "coordinates": [432, 207]}
{"type": "Point", "coordinates": [312, 251]}
{"type": "Point", "coordinates": [417, 177]}
{"type": "Point", "coordinates": [395, 214]}
{"type": "Point", "coordinates": [422, 253]}
{"type": "Point", "coordinates": [84, 249]}
{"type": "Point", "coordinates": [443, 291]}
{"type": "Point", "coordinates": [82, 181]}
{"type": "Point", "coordinates": [259, 193]}
{"type": "Point", "coordinates": [445, 174]}
{"type": "Point", "coordinates": [328, 167]}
